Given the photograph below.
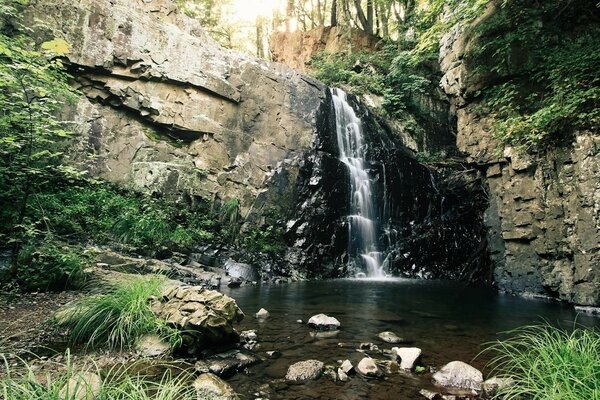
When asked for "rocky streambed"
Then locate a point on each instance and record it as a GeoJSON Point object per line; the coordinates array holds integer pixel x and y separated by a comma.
{"type": "Point", "coordinates": [339, 339]}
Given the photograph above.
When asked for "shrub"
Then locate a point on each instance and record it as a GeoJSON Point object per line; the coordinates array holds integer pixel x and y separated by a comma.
{"type": "Point", "coordinates": [49, 266]}
{"type": "Point", "coordinates": [118, 383]}
{"type": "Point", "coordinates": [119, 317]}
{"type": "Point", "coordinates": [267, 240]}
{"type": "Point", "coordinates": [106, 213]}
{"type": "Point", "coordinates": [548, 363]}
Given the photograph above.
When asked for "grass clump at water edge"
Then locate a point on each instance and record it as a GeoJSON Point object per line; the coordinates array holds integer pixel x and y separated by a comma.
{"type": "Point", "coordinates": [548, 363]}
{"type": "Point", "coordinates": [119, 317]}
{"type": "Point", "coordinates": [70, 382]}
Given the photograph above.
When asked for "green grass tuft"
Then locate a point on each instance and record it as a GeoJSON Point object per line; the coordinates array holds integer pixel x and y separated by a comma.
{"type": "Point", "coordinates": [118, 318]}
{"type": "Point", "coordinates": [25, 382]}
{"type": "Point", "coordinates": [548, 363]}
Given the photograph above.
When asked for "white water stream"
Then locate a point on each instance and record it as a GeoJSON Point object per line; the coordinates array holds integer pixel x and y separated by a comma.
{"type": "Point", "coordinates": [362, 229]}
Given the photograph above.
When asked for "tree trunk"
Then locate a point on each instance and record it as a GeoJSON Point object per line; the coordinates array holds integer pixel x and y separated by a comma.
{"type": "Point", "coordinates": [334, 20]}
{"type": "Point", "coordinates": [260, 49]}
{"type": "Point", "coordinates": [361, 16]}
{"type": "Point", "coordinates": [370, 17]}
{"type": "Point", "coordinates": [289, 14]}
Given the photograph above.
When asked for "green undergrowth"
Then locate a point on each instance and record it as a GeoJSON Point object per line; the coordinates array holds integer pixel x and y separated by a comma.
{"type": "Point", "coordinates": [106, 213]}
{"type": "Point", "coordinates": [548, 363]}
{"type": "Point", "coordinates": [119, 317]}
{"type": "Point", "coordinates": [544, 62]}
{"type": "Point", "coordinates": [23, 381]}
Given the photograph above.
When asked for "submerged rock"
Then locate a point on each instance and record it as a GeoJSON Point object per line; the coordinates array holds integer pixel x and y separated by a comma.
{"type": "Point", "coordinates": [460, 375]}
{"type": "Point", "coordinates": [390, 337]}
{"type": "Point", "coordinates": [323, 322]}
{"type": "Point", "coordinates": [227, 364]}
{"type": "Point", "coordinates": [210, 386]}
{"type": "Point", "coordinates": [408, 356]}
{"type": "Point", "coordinates": [304, 370]}
{"type": "Point", "coordinates": [152, 346]}
{"type": "Point", "coordinates": [368, 368]}
{"type": "Point", "coordinates": [235, 282]}
{"type": "Point", "coordinates": [204, 317]}
{"type": "Point", "coordinates": [368, 346]}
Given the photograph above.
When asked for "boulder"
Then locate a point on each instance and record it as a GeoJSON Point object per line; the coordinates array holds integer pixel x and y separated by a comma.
{"type": "Point", "coordinates": [304, 370]}
{"type": "Point", "coordinates": [408, 356]}
{"type": "Point", "coordinates": [390, 337]}
{"type": "Point", "coordinates": [246, 272]}
{"type": "Point", "coordinates": [210, 386]}
{"type": "Point", "coordinates": [205, 317]}
{"type": "Point", "coordinates": [491, 386]}
{"type": "Point", "coordinates": [82, 386]}
{"type": "Point", "coordinates": [368, 368]}
{"type": "Point", "coordinates": [152, 346]}
{"type": "Point", "coordinates": [459, 375]}
{"type": "Point", "coordinates": [323, 322]}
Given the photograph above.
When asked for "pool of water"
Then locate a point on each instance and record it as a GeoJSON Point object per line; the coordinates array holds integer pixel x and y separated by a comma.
{"type": "Point", "coordinates": [447, 320]}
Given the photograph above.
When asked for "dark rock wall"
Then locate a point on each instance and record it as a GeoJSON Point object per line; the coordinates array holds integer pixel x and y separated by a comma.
{"type": "Point", "coordinates": [543, 219]}
{"type": "Point", "coordinates": [425, 224]}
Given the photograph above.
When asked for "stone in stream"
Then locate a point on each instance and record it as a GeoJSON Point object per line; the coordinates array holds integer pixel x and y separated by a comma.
{"type": "Point", "coordinates": [491, 386]}
{"type": "Point", "coordinates": [273, 354]}
{"type": "Point", "coordinates": [248, 335]}
{"type": "Point", "coordinates": [82, 386]}
{"type": "Point", "coordinates": [235, 282]}
{"type": "Point", "coordinates": [152, 346]}
{"type": "Point", "coordinates": [262, 314]}
{"type": "Point", "coordinates": [367, 367]}
{"type": "Point", "coordinates": [408, 356]}
{"type": "Point", "coordinates": [390, 337]}
{"type": "Point", "coordinates": [342, 376]}
{"type": "Point", "coordinates": [459, 375]}
{"type": "Point", "coordinates": [304, 370]}
{"type": "Point", "coordinates": [347, 367]}
{"type": "Point", "coordinates": [368, 346]}
{"type": "Point", "coordinates": [210, 386]}
{"type": "Point", "coordinates": [430, 395]}
{"type": "Point", "coordinates": [323, 322]}
{"type": "Point", "coordinates": [227, 364]}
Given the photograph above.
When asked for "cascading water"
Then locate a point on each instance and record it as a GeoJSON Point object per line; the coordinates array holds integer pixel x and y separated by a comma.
{"type": "Point", "coordinates": [362, 224]}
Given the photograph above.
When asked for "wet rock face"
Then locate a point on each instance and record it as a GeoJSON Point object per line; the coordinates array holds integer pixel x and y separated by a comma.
{"type": "Point", "coordinates": [543, 220]}
{"type": "Point", "coordinates": [205, 317]}
{"type": "Point", "coordinates": [427, 227]}
{"type": "Point", "coordinates": [167, 110]}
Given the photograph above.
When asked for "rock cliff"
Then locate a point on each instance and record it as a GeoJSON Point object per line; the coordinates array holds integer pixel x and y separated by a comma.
{"type": "Point", "coordinates": [543, 219]}
{"type": "Point", "coordinates": [167, 110]}
{"type": "Point", "coordinates": [296, 48]}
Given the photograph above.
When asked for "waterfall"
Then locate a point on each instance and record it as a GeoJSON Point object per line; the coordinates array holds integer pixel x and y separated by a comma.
{"type": "Point", "coordinates": [362, 223]}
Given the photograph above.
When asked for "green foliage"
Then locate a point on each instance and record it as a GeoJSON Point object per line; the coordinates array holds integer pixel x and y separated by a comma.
{"type": "Point", "coordinates": [229, 216]}
{"type": "Point", "coordinates": [25, 382]}
{"type": "Point", "coordinates": [546, 57]}
{"type": "Point", "coordinates": [107, 214]}
{"type": "Point", "coordinates": [267, 240]}
{"type": "Point", "coordinates": [33, 87]}
{"type": "Point", "coordinates": [118, 318]}
{"type": "Point", "coordinates": [50, 266]}
{"type": "Point", "coordinates": [548, 363]}
{"type": "Point", "coordinates": [387, 72]}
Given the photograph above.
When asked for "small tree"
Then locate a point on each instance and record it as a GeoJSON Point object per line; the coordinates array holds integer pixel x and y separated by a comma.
{"type": "Point", "coordinates": [33, 88]}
